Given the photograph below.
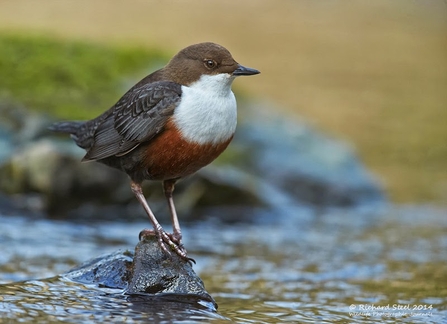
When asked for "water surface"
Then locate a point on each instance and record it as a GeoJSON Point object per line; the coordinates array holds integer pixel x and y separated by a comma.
{"type": "Point", "coordinates": [329, 266]}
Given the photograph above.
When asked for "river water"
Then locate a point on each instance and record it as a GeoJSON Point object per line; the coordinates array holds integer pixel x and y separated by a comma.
{"type": "Point", "coordinates": [382, 264]}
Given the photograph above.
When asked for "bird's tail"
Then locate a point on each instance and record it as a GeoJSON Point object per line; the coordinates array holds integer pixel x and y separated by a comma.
{"type": "Point", "coordinates": [70, 127]}
{"type": "Point", "coordinates": [78, 131]}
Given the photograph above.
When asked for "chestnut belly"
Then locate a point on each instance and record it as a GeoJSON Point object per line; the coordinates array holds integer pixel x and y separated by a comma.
{"type": "Point", "coordinates": [167, 156]}
{"type": "Point", "coordinates": [177, 159]}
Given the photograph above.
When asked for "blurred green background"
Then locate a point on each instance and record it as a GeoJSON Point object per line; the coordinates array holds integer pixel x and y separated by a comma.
{"type": "Point", "coordinates": [373, 73]}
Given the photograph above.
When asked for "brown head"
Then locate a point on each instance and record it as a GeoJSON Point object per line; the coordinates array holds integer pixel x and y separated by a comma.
{"type": "Point", "coordinates": [208, 58]}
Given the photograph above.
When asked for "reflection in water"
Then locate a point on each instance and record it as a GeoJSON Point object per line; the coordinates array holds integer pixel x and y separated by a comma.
{"type": "Point", "coordinates": [350, 266]}
{"type": "Point", "coordinates": [57, 299]}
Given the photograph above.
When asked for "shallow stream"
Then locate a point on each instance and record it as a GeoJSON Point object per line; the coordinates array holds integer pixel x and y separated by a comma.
{"type": "Point", "coordinates": [337, 265]}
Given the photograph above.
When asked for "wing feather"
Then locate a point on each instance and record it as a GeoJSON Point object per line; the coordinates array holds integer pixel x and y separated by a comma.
{"type": "Point", "coordinates": [137, 117]}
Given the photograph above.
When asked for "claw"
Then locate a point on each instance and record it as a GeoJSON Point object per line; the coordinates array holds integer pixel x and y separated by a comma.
{"type": "Point", "coordinates": [176, 239]}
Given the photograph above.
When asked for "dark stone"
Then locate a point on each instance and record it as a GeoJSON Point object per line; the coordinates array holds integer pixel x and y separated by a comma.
{"type": "Point", "coordinates": [149, 274]}
{"type": "Point", "coordinates": [109, 271]}
{"type": "Point", "coordinates": [155, 272]}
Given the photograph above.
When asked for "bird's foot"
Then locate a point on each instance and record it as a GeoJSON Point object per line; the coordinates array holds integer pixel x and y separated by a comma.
{"type": "Point", "coordinates": [165, 240]}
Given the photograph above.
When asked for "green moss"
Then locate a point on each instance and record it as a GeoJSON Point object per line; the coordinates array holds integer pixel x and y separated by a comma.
{"type": "Point", "coordinates": [69, 79]}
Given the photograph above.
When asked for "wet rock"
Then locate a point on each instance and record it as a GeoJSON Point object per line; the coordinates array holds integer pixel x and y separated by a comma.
{"type": "Point", "coordinates": [109, 271]}
{"type": "Point", "coordinates": [148, 273]}
{"type": "Point", "coordinates": [154, 271]}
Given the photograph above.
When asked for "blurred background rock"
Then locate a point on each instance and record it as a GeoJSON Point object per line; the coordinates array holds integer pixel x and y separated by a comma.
{"type": "Point", "coordinates": [373, 74]}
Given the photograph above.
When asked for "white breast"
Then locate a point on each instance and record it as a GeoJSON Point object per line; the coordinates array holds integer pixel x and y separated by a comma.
{"type": "Point", "coordinates": [207, 113]}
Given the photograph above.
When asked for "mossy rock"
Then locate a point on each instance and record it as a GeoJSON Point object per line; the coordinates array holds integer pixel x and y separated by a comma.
{"type": "Point", "coordinates": [69, 79]}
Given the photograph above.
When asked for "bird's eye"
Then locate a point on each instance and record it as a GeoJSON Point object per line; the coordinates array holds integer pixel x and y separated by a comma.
{"type": "Point", "coordinates": [210, 64]}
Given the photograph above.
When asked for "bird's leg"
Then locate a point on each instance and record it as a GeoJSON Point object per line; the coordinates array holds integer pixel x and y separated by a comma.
{"type": "Point", "coordinates": [162, 236]}
{"type": "Point", "coordinates": [168, 186]}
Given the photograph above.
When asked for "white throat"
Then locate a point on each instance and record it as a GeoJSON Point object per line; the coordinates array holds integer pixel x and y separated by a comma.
{"type": "Point", "coordinates": [207, 113]}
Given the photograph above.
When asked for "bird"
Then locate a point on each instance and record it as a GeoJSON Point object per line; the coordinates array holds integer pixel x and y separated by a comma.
{"type": "Point", "coordinates": [169, 125]}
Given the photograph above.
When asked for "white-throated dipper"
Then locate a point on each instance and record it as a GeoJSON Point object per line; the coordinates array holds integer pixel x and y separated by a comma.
{"type": "Point", "coordinates": [169, 125]}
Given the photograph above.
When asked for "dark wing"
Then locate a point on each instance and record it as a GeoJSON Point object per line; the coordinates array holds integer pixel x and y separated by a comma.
{"type": "Point", "coordinates": [136, 118]}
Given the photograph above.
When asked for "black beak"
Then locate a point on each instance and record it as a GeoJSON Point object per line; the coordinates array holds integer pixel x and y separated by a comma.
{"type": "Point", "coordinates": [242, 70]}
